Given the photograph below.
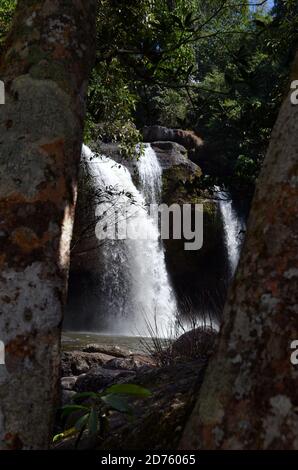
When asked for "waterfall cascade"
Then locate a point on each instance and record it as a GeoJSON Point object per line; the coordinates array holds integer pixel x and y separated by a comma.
{"type": "Point", "coordinates": [135, 287]}
{"type": "Point", "coordinates": [150, 173]}
{"type": "Point", "coordinates": [233, 229]}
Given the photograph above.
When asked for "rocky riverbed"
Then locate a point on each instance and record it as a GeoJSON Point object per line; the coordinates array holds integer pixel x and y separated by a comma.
{"type": "Point", "coordinates": [158, 420]}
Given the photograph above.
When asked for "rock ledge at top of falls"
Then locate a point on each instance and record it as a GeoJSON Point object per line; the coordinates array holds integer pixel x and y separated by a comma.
{"type": "Point", "coordinates": [189, 139]}
{"type": "Point", "coordinates": [170, 154]}
{"type": "Point", "coordinates": [195, 145]}
{"type": "Point", "coordinates": [178, 171]}
{"type": "Point", "coordinates": [209, 155]}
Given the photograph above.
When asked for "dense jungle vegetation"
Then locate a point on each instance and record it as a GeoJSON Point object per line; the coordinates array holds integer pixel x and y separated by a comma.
{"type": "Point", "coordinates": [218, 67]}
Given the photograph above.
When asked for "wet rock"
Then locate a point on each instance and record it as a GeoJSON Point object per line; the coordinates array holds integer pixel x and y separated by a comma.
{"type": "Point", "coordinates": [68, 383]}
{"type": "Point", "coordinates": [114, 351]}
{"type": "Point", "coordinates": [67, 396]}
{"type": "Point", "coordinates": [198, 342]}
{"type": "Point", "coordinates": [99, 378]}
{"type": "Point", "coordinates": [210, 156]}
{"type": "Point", "coordinates": [133, 362]}
{"type": "Point", "coordinates": [78, 362]}
{"type": "Point", "coordinates": [189, 139]}
{"type": "Point", "coordinates": [172, 154]}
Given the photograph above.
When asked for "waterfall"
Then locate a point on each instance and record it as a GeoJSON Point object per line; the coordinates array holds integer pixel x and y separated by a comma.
{"type": "Point", "coordinates": [134, 288]}
{"type": "Point", "coordinates": [150, 173]}
{"type": "Point", "coordinates": [233, 229]}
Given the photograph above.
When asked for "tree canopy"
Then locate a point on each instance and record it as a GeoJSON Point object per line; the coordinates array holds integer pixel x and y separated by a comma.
{"type": "Point", "coordinates": [217, 67]}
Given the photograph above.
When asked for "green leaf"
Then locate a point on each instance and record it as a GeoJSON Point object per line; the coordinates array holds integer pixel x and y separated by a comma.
{"type": "Point", "coordinates": [128, 389]}
{"type": "Point", "coordinates": [68, 433]}
{"type": "Point", "coordinates": [93, 422]}
{"type": "Point", "coordinates": [58, 438]}
{"type": "Point", "coordinates": [85, 395]}
{"type": "Point", "coordinates": [117, 403]}
{"type": "Point", "coordinates": [81, 422]}
{"type": "Point", "coordinates": [68, 409]}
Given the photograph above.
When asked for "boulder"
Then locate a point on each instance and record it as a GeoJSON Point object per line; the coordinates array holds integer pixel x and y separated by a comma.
{"type": "Point", "coordinates": [99, 378]}
{"type": "Point", "coordinates": [133, 363]}
{"type": "Point", "coordinates": [114, 351]}
{"type": "Point", "coordinates": [196, 343]}
{"type": "Point", "coordinates": [189, 139]}
{"type": "Point", "coordinates": [78, 362]}
{"type": "Point", "coordinates": [68, 383]}
{"type": "Point", "coordinates": [210, 156]}
{"type": "Point", "coordinates": [171, 153]}
{"type": "Point", "coordinates": [66, 397]}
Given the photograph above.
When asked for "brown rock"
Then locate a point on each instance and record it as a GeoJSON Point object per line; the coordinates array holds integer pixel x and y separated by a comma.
{"type": "Point", "coordinates": [133, 362]}
{"type": "Point", "coordinates": [99, 378]}
{"type": "Point", "coordinates": [78, 362]}
{"type": "Point", "coordinates": [197, 343]}
{"type": "Point", "coordinates": [114, 351]}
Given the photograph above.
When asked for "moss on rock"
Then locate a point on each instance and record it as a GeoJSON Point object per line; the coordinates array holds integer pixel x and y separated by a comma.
{"type": "Point", "coordinates": [196, 275]}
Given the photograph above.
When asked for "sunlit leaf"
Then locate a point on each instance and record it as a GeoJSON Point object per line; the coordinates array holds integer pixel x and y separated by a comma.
{"type": "Point", "coordinates": [128, 389]}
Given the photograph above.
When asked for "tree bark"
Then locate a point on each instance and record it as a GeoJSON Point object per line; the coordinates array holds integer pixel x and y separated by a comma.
{"type": "Point", "coordinates": [249, 397]}
{"type": "Point", "coordinates": [45, 68]}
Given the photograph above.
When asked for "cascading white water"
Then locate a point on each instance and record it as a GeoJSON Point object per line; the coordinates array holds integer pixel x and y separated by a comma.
{"type": "Point", "coordinates": [135, 288]}
{"type": "Point", "coordinates": [150, 173]}
{"type": "Point", "coordinates": [233, 229]}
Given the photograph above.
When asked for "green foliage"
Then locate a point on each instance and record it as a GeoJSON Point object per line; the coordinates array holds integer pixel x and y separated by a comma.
{"type": "Point", "coordinates": [7, 8]}
{"type": "Point", "coordinates": [92, 415]}
{"type": "Point", "coordinates": [218, 67]}
{"type": "Point", "coordinates": [172, 105]}
{"type": "Point", "coordinates": [132, 58]}
{"type": "Point", "coordinates": [241, 77]}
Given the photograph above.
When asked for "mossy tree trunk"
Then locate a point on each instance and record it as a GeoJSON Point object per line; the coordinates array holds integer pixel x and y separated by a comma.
{"type": "Point", "coordinates": [45, 68]}
{"type": "Point", "coordinates": [249, 397]}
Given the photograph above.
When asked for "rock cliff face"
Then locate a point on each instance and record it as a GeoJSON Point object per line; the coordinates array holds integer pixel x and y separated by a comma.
{"type": "Point", "coordinates": [85, 262]}
{"type": "Point", "coordinates": [208, 155]}
{"type": "Point", "coordinates": [188, 139]}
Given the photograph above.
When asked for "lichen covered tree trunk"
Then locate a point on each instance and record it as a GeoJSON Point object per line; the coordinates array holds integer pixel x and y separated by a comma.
{"type": "Point", "coordinates": [45, 68]}
{"type": "Point", "coordinates": [249, 397]}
